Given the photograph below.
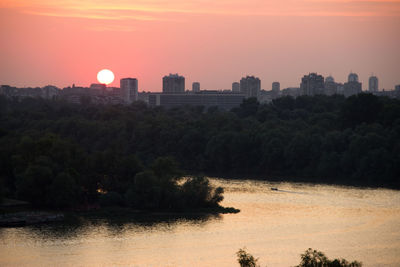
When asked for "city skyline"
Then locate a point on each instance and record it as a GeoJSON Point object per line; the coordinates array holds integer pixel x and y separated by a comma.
{"type": "Point", "coordinates": [214, 43]}
{"type": "Point", "coordinates": [115, 83]}
{"type": "Point", "coordinates": [175, 83]}
{"type": "Point", "coordinates": [174, 92]}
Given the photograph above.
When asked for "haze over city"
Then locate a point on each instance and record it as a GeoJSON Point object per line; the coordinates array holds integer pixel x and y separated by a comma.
{"type": "Point", "coordinates": [214, 42]}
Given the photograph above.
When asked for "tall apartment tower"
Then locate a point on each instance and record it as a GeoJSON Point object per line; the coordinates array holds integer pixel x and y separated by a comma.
{"type": "Point", "coordinates": [173, 84]}
{"type": "Point", "coordinates": [129, 89]}
{"type": "Point", "coordinates": [331, 87]}
{"type": "Point", "coordinates": [312, 84]}
{"type": "Point", "coordinates": [250, 86]}
{"type": "Point", "coordinates": [276, 87]}
{"type": "Point", "coordinates": [196, 87]}
{"type": "Point", "coordinates": [236, 87]}
{"type": "Point", "coordinates": [373, 84]}
{"type": "Point", "coordinates": [353, 77]}
{"type": "Point", "coordinates": [352, 87]}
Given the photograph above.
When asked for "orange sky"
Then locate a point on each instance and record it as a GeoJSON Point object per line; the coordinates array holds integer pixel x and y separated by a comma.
{"type": "Point", "coordinates": [215, 42]}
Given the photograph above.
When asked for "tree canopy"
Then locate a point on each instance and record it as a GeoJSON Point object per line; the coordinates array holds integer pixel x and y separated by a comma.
{"type": "Point", "coordinates": [84, 150]}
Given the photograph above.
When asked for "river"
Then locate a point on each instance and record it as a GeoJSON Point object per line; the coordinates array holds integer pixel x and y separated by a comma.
{"type": "Point", "coordinates": [274, 226]}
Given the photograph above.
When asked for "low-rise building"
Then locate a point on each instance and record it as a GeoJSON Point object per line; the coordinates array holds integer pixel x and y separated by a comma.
{"type": "Point", "coordinates": [207, 99]}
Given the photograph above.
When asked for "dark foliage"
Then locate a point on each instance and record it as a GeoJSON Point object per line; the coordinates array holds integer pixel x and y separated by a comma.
{"type": "Point", "coordinates": [107, 148]}
{"type": "Point", "coordinates": [310, 258]}
{"type": "Point", "coordinates": [315, 258]}
{"type": "Point", "coordinates": [245, 259]}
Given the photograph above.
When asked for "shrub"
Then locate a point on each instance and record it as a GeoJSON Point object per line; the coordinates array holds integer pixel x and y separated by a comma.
{"type": "Point", "coordinates": [111, 199]}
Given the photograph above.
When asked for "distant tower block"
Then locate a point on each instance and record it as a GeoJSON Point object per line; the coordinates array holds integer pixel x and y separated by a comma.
{"type": "Point", "coordinates": [352, 87]}
{"type": "Point", "coordinates": [276, 87]}
{"type": "Point", "coordinates": [329, 79]}
{"type": "Point", "coordinates": [174, 84]}
{"type": "Point", "coordinates": [352, 77]}
{"type": "Point", "coordinates": [236, 87]}
{"type": "Point", "coordinates": [373, 84]}
{"type": "Point", "coordinates": [129, 89]}
{"type": "Point", "coordinates": [250, 86]}
{"type": "Point", "coordinates": [196, 87]}
{"type": "Point", "coordinates": [331, 87]}
{"type": "Point", "coordinates": [312, 84]}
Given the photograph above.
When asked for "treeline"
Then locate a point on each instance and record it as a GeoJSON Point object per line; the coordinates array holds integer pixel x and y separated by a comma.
{"type": "Point", "coordinates": [310, 258]}
{"type": "Point", "coordinates": [96, 147]}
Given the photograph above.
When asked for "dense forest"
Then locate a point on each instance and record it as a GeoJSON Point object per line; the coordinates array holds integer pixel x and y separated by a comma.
{"type": "Point", "coordinates": [54, 153]}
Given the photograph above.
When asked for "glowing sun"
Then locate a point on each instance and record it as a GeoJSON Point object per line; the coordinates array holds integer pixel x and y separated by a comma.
{"type": "Point", "coordinates": [105, 76]}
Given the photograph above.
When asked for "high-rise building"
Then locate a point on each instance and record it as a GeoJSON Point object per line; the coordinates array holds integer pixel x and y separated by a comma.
{"type": "Point", "coordinates": [196, 87]}
{"type": "Point", "coordinates": [250, 86]}
{"type": "Point", "coordinates": [352, 87]}
{"type": "Point", "coordinates": [340, 88]}
{"type": "Point", "coordinates": [129, 89]}
{"type": "Point", "coordinates": [330, 86]}
{"type": "Point", "coordinates": [236, 87]}
{"type": "Point", "coordinates": [397, 87]}
{"type": "Point", "coordinates": [373, 84]}
{"type": "Point", "coordinates": [276, 87]}
{"type": "Point", "coordinates": [173, 84]}
{"type": "Point", "coordinates": [329, 79]}
{"type": "Point", "coordinates": [312, 84]}
{"type": "Point", "coordinates": [352, 77]}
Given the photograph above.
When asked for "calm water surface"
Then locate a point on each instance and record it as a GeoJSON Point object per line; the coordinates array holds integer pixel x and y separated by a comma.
{"type": "Point", "coordinates": [275, 226]}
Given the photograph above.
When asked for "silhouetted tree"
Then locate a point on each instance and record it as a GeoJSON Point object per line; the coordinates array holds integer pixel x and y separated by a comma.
{"type": "Point", "coordinates": [360, 108]}
{"type": "Point", "coordinates": [245, 259]}
{"type": "Point", "coordinates": [111, 199]}
{"type": "Point", "coordinates": [63, 192]}
{"type": "Point", "coordinates": [249, 107]}
{"type": "Point", "coordinates": [315, 258]}
{"type": "Point", "coordinates": [34, 183]}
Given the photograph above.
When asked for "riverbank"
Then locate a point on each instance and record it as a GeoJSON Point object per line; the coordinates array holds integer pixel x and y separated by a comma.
{"type": "Point", "coordinates": [18, 217]}
{"type": "Point", "coordinates": [125, 211]}
{"type": "Point", "coordinates": [25, 218]}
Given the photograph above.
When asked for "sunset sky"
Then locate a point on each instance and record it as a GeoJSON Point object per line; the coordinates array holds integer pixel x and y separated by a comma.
{"type": "Point", "coordinates": [215, 42]}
